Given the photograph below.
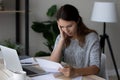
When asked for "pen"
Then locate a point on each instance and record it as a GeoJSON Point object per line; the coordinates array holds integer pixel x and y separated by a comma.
{"type": "Point", "coordinates": [26, 62]}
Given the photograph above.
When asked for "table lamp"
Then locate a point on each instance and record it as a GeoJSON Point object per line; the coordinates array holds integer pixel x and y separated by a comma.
{"type": "Point", "coordinates": [105, 12]}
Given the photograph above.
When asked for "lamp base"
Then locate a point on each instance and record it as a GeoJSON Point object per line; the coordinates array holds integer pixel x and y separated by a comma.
{"type": "Point", "coordinates": [102, 44]}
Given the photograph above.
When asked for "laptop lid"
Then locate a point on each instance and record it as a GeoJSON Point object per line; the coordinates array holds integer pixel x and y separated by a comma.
{"type": "Point", "coordinates": [11, 59]}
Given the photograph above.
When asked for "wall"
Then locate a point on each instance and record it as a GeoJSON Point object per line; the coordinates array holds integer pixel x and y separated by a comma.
{"type": "Point", "coordinates": [38, 10]}
{"type": "Point", "coordinates": [7, 22]}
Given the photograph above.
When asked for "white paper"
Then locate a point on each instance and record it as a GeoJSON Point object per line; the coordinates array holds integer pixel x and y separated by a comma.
{"type": "Point", "coordinates": [44, 77]}
{"type": "Point", "coordinates": [77, 78]}
{"type": "Point", "coordinates": [28, 61]}
{"type": "Point", "coordinates": [49, 66]}
{"type": "Point", "coordinates": [12, 78]}
{"type": "Point", "coordinates": [21, 75]}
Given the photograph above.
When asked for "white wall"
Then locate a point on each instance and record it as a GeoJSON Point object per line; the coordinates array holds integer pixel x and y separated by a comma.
{"type": "Point", "coordinates": [38, 10]}
{"type": "Point", "coordinates": [7, 22]}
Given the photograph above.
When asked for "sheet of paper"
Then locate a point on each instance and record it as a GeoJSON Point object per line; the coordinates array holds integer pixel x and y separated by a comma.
{"type": "Point", "coordinates": [77, 78]}
{"type": "Point", "coordinates": [49, 66]}
{"type": "Point", "coordinates": [28, 61]}
{"type": "Point", "coordinates": [44, 77]}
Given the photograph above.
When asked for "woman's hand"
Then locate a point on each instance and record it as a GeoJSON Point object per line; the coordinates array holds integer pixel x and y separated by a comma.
{"type": "Point", "coordinates": [68, 71]}
{"type": "Point", "coordinates": [62, 33]}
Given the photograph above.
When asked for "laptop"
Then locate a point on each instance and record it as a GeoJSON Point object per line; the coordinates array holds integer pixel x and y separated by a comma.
{"type": "Point", "coordinates": [11, 59]}
{"type": "Point", "coordinates": [12, 62]}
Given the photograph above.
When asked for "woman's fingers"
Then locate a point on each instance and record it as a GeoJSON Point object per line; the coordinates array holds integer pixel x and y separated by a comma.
{"type": "Point", "coordinates": [65, 71]}
{"type": "Point", "coordinates": [60, 28]}
{"type": "Point", "coordinates": [60, 69]}
{"type": "Point", "coordinates": [68, 71]}
{"type": "Point", "coordinates": [63, 35]}
{"type": "Point", "coordinates": [67, 66]}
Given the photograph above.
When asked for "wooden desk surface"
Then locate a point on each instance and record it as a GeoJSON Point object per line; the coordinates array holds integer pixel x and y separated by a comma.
{"type": "Point", "coordinates": [90, 77]}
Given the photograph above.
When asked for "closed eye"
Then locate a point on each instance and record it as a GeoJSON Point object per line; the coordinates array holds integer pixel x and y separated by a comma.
{"type": "Point", "coordinates": [69, 26]}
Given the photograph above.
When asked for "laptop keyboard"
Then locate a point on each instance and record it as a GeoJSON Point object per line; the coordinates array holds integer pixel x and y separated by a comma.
{"type": "Point", "coordinates": [33, 71]}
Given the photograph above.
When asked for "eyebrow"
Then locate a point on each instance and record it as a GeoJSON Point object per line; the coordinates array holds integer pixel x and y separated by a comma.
{"type": "Point", "coordinates": [67, 25]}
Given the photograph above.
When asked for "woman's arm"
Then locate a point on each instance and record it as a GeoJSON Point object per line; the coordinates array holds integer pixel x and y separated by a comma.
{"type": "Point", "coordinates": [74, 72]}
{"type": "Point", "coordinates": [57, 52]}
{"type": "Point", "coordinates": [87, 71]}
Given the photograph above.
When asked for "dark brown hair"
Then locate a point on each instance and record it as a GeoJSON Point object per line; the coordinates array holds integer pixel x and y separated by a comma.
{"type": "Point", "coordinates": [70, 13]}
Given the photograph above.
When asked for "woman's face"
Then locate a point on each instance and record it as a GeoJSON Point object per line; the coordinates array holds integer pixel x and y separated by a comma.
{"type": "Point", "coordinates": [68, 27]}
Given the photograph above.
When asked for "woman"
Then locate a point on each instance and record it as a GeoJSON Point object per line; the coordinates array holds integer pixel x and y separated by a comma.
{"type": "Point", "coordinates": [77, 45]}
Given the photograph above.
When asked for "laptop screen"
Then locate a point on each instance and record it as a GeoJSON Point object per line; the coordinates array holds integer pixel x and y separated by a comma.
{"type": "Point", "coordinates": [11, 59]}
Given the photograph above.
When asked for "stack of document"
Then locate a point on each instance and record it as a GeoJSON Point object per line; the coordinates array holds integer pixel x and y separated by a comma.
{"type": "Point", "coordinates": [45, 77]}
{"type": "Point", "coordinates": [51, 77]}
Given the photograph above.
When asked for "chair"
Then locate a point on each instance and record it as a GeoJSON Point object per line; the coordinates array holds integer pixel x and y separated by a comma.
{"type": "Point", "coordinates": [102, 72]}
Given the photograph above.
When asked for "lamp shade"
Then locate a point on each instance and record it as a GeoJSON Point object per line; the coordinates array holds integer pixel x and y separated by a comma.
{"type": "Point", "coordinates": [104, 12]}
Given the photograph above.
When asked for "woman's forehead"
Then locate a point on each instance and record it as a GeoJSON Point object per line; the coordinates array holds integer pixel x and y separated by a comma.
{"type": "Point", "coordinates": [65, 22]}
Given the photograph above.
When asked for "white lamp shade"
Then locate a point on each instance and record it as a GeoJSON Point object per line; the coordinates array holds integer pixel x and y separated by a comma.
{"type": "Point", "coordinates": [104, 12]}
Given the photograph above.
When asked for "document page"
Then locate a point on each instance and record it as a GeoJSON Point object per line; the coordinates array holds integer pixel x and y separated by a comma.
{"type": "Point", "coordinates": [44, 77]}
{"type": "Point", "coordinates": [77, 78]}
{"type": "Point", "coordinates": [49, 66]}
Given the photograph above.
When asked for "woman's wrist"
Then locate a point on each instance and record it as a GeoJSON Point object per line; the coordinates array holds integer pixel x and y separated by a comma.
{"type": "Point", "coordinates": [62, 40]}
{"type": "Point", "coordinates": [77, 72]}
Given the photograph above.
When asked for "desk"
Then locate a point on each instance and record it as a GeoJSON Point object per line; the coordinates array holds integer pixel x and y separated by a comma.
{"type": "Point", "coordinates": [90, 77]}
{"type": "Point", "coordinates": [60, 76]}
